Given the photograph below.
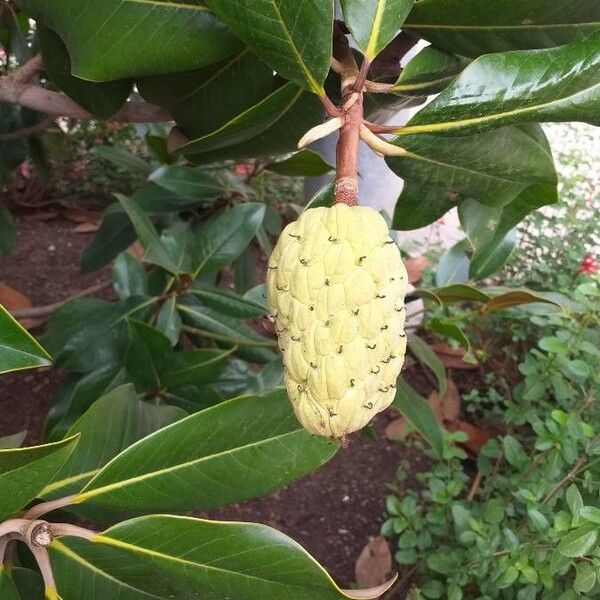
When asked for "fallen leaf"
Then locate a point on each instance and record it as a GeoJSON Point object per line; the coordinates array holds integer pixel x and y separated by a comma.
{"type": "Point", "coordinates": [478, 436]}
{"type": "Point", "coordinates": [451, 357]}
{"type": "Point", "coordinates": [415, 267]}
{"type": "Point", "coordinates": [79, 215]}
{"type": "Point", "coordinates": [447, 407]}
{"type": "Point", "coordinates": [374, 564]}
{"type": "Point", "coordinates": [40, 216]}
{"type": "Point", "coordinates": [87, 227]}
{"type": "Point", "coordinates": [12, 299]}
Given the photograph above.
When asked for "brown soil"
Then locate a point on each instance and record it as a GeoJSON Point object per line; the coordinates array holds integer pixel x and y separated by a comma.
{"type": "Point", "coordinates": [332, 512]}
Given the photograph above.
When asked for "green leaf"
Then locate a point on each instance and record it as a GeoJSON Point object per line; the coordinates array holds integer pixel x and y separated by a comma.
{"type": "Point", "coordinates": [590, 513]}
{"type": "Point", "coordinates": [425, 355]}
{"type": "Point", "coordinates": [558, 84]}
{"type": "Point", "coordinates": [420, 205]}
{"type": "Point", "coordinates": [504, 298]}
{"type": "Point", "coordinates": [156, 251]}
{"type": "Point", "coordinates": [224, 238]}
{"type": "Point", "coordinates": [579, 541]}
{"type": "Point", "coordinates": [454, 332]}
{"type": "Point", "coordinates": [28, 583]}
{"type": "Point", "coordinates": [123, 159]}
{"type": "Point", "coordinates": [324, 197]}
{"type": "Point", "coordinates": [374, 23]}
{"type": "Point", "coordinates": [461, 293]}
{"type": "Point", "coordinates": [8, 589]}
{"type": "Point", "coordinates": [112, 424]}
{"type": "Point", "coordinates": [514, 452]}
{"type": "Point", "coordinates": [168, 320]}
{"type": "Point", "coordinates": [25, 471]}
{"type": "Point", "coordinates": [88, 332]}
{"type": "Point", "coordinates": [194, 367]}
{"type": "Point", "coordinates": [470, 28]}
{"type": "Point", "coordinates": [18, 349]}
{"type": "Point", "coordinates": [161, 556]}
{"type": "Point", "coordinates": [188, 182]}
{"type": "Point", "coordinates": [248, 124]}
{"type": "Point", "coordinates": [129, 277]}
{"type": "Point", "coordinates": [294, 38]}
{"type": "Point", "coordinates": [574, 500]}
{"type": "Point", "coordinates": [418, 412]}
{"type": "Point", "coordinates": [306, 163]}
{"type": "Point", "coordinates": [101, 99]}
{"type": "Point", "coordinates": [453, 266]}
{"type": "Point", "coordinates": [429, 72]}
{"type": "Point", "coordinates": [209, 459]}
{"type": "Point", "coordinates": [120, 38]}
{"type": "Point", "coordinates": [8, 230]}
{"type": "Point", "coordinates": [489, 260]}
{"type": "Point", "coordinates": [146, 355]}
{"type": "Point", "coordinates": [229, 303]}
{"type": "Point", "coordinates": [12, 441]}
{"type": "Point", "coordinates": [585, 578]}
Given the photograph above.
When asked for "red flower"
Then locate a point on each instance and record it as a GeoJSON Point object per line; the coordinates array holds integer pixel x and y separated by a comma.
{"type": "Point", "coordinates": [241, 169]}
{"type": "Point", "coordinates": [589, 264]}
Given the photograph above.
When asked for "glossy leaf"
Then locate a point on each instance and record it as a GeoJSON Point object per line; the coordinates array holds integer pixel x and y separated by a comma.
{"type": "Point", "coordinates": [101, 99]}
{"type": "Point", "coordinates": [454, 332]}
{"type": "Point", "coordinates": [306, 163]}
{"type": "Point", "coordinates": [129, 277]}
{"type": "Point", "coordinates": [420, 415]}
{"type": "Point", "coordinates": [461, 293]}
{"type": "Point", "coordinates": [168, 320]}
{"type": "Point", "coordinates": [374, 23]}
{"type": "Point", "coordinates": [183, 557]}
{"type": "Point", "coordinates": [558, 84]}
{"type": "Point", "coordinates": [453, 266]}
{"type": "Point", "coordinates": [429, 72]}
{"type": "Point", "coordinates": [229, 303]}
{"type": "Point", "coordinates": [193, 367]}
{"type": "Point", "coordinates": [29, 583]}
{"type": "Point", "coordinates": [504, 298]}
{"type": "Point", "coordinates": [25, 471]}
{"type": "Point", "coordinates": [427, 357]}
{"type": "Point", "coordinates": [18, 349]}
{"type": "Point", "coordinates": [472, 27]}
{"type": "Point", "coordinates": [248, 124]}
{"type": "Point", "coordinates": [294, 38]}
{"type": "Point", "coordinates": [420, 205]}
{"type": "Point", "coordinates": [188, 182]}
{"type": "Point", "coordinates": [224, 238]}
{"type": "Point", "coordinates": [324, 197]}
{"type": "Point", "coordinates": [146, 355]}
{"type": "Point", "coordinates": [113, 423]}
{"type": "Point", "coordinates": [234, 451]}
{"type": "Point", "coordinates": [124, 38]}
{"type": "Point", "coordinates": [8, 589]}
{"type": "Point", "coordinates": [489, 260]}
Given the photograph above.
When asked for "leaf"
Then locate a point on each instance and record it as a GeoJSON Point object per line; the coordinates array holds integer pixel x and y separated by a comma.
{"type": "Point", "coordinates": [454, 358]}
{"type": "Point", "coordinates": [168, 320]}
{"type": "Point", "coordinates": [194, 367]}
{"type": "Point", "coordinates": [146, 355]}
{"type": "Point", "coordinates": [324, 197]}
{"type": "Point", "coordinates": [579, 541]}
{"type": "Point", "coordinates": [101, 99]}
{"type": "Point", "coordinates": [239, 449]}
{"type": "Point", "coordinates": [306, 163]}
{"type": "Point", "coordinates": [248, 124]}
{"type": "Point", "coordinates": [453, 266]}
{"type": "Point", "coordinates": [12, 441]}
{"type": "Point", "coordinates": [514, 452]}
{"type": "Point", "coordinates": [574, 500]}
{"type": "Point", "coordinates": [418, 412]}
{"type": "Point", "coordinates": [186, 557]}
{"type": "Point", "coordinates": [224, 238]}
{"type": "Point", "coordinates": [374, 563]}
{"type": "Point", "coordinates": [112, 424]}
{"type": "Point", "coordinates": [429, 72]}
{"type": "Point", "coordinates": [129, 277]}
{"type": "Point", "coordinates": [585, 579]}
{"type": "Point", "coordinates": [294, 38]}
{"type": "Point", "coordinates": [446, 406]}
{"type": "Point", "coordinates": [590, 513]}
{"type": "Point", "coordinates": [477, 437]}
{"type": "Point", "coordinates": [426, 356]}
{"type": "Point", "coordinates": [374, 23]}
{"type": "Point", "coordinates": [8, 229]}
{"type": "Point", "coordinates": [454, 332]}
{"type": "Point", "coordinates": [469, 28]}
{"type": "Point", "coordinates": [558, 84]}
{"type": "Point", "coordinates": [25, 471]}
{"type": "Point", "coordinates": [461, 293]}
{"type": "Point", "coordinates": [119, 38]}
{"type": "Point", "coordinates": [18, 349]}
{"type": "Point", "coordinates": [8, 589]}
{"type": "Point", "coordinates": [156, 251]}
{"type": "Point", "coordinates": [229, 303]}
{"type": "Point", "coordinates": [188, 182]}
{"type": "Point", "coordinates": [507, 298]}
{"type": "Point", "coordinates": [122, 158]}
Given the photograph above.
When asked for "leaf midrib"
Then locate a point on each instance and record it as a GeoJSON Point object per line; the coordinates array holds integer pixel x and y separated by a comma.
{"type": "Point", "coordinates": [515, 26]}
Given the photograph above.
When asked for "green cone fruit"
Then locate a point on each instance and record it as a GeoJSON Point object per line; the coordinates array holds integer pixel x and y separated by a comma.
{"type": "Point", "coordinates": [336, 286]}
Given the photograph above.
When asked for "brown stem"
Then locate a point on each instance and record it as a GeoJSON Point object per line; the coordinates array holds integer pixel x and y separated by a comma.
{"type": "Point", "coordinates": [376, 128]}
{"type": "Point", "coordinates": [28, 70]}
{"type": "Point", "coordinates": [44, 311]}
{"type": "Point", "coordinates": [330, 107]}
{"type": "Point", "coordinates": [359, 84]}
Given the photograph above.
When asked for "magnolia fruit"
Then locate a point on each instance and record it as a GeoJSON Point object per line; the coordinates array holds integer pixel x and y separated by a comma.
{"type": "Point", "coordinates": [335, 287]}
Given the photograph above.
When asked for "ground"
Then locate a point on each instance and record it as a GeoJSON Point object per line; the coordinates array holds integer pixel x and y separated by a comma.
{"type": "Point", "coordinates": [332, 512]}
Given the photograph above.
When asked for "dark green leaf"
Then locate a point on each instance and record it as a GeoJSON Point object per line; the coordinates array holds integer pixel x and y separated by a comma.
{"type": "Point", "coordinates": [454, 332]}
{"type": "Point", "coordinates": [8, 589]}
{"type": "Point", "coordinates": [188, 182]}
{"type": "Point", "coordinates": [123, 159]}
{"type": "Point", "coordinates": [229, 303]}
{"type": "Point", "coordinates": [25, 471]}
{"type": "Point", "coordinates": [129, 277]}
{"type": "Point", "coordinates": [558, 84]}
{"type": "Point", "coordinates": [234, 451]}
{"type": "Point", "coordinates": [461, 293]}
{"type": "Point", "coordinates": [420, 205]}
{"type": "Point", "coordinates": [324, 197]}
{"type": "Point", "coordinates": [146, 355]}
{"type": "Point", "coordinates": [374, 23]}
{"type": "Point", "coordinates": [514, 452]}
{"type": "Point", "coordinates": [453, 266]}
{"type": "Point", "coordinates": [425, 355]}
{"type": "Point", "coordinates": [418, 412]}
{"type": "Point", "coordinates": [579, 541]}
{"type": "Point", "coordinates": [306, 163]}
{"type": "Point", "coordinates": [194, 367]}
{"type": "Point", "coordinates": [168, 321]}
{"type": "Point", "coordinates": [113, 423]}
{"type": "Point", "coordinates": [29, 583]}
{"type": "Point", "coordinates": [18, 349]}
{"type": "Point", "coordinates": [489, 260]}
{"type": "Point", "coordinates": [503, 298]}
{"type": "Point", "coordinates": [224, 238]}
{"type": "Point", "coordinates": [101, 99]}
{"type": "Point", "coordinates": [294, 38]}
{"type": "Point", "coordinates": [471, 28]}
{"type": "Point", "coordinates": [124, 38]}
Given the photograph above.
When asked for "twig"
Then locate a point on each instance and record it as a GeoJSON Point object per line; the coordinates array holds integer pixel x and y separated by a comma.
{"type": "Point", "coordinates": [44, 311]}
{"type": "Point", "coordinates": [28, 70]}
{"type": "Point", "coordinates": [475, 486]}
{"type": "Point", "coordinates": [19, 134]}
{"type": "Point", "coordinates": [330, 107]}
{"type": "Point", "coordinates": [361, 78]}
{"type": "Point", "coordinates": [45, 507]}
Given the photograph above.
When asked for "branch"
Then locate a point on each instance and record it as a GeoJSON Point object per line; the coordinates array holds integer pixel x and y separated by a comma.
{"type": "Point", "coordinates": [26, 72]}
{"type": "Point", "coordinates": [35, 97]}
